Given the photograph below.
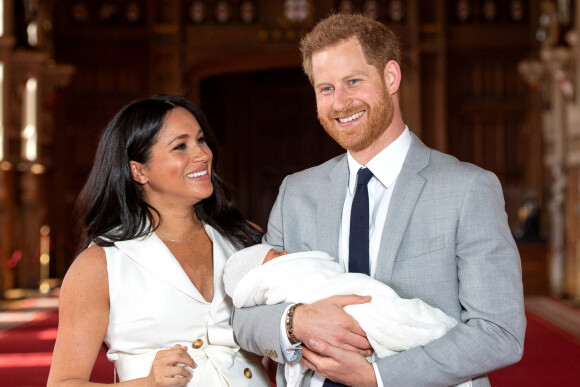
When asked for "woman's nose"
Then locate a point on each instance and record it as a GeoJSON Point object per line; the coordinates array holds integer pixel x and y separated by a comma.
{"type": "Point", "coordinates": [202, 153]}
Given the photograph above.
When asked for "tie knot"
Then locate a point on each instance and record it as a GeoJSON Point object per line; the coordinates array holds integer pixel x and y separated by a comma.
{"type": "Point", "coordinates": [363, 176]}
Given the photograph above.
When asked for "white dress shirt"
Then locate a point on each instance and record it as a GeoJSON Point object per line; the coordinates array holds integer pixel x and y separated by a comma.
{"type": "Point", "coordinates": [385, 166]}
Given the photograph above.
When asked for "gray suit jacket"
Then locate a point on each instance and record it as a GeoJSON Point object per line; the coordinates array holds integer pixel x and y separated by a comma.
{"type": "Point", "coordinates": [446, 241]}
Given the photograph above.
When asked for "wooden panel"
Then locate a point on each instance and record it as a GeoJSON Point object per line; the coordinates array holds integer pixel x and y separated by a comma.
{"type": "Point", "coordinates": [264, 136]}
{"type": "Point", "coordinates": [572, 238]}
{"type": "Point", "coordinates": [486, 112]}
{"type": "Point", "coordinates": [534, 268]}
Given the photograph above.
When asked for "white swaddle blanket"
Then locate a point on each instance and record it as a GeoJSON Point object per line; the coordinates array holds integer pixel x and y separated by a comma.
{"type": "Point", "coordinates": [392, 324]}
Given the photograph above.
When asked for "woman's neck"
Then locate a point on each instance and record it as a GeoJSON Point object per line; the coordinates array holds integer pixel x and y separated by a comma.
{"type": "Point", "coordinates": [177, 227]}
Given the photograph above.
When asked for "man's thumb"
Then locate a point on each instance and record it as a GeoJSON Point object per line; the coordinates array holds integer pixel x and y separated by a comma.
{"type": "Point", "coordinates": [353, 299]}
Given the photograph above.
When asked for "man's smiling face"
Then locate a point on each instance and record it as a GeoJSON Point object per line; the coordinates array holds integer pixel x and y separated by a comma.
{"type": "Point", "coordinates": [354, 105]}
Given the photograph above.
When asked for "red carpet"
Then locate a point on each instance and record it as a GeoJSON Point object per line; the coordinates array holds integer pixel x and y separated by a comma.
{"type": "Point", "coordinates": [551, 357]}
{"type": "Point", "coordinates": [26, 353]}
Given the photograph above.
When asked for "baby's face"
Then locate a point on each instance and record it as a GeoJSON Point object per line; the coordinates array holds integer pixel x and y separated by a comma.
{"type": "Point", "coordinates": [273, 253]}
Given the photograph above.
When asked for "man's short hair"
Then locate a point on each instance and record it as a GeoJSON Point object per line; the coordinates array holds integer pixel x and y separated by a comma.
{"type": "Point", "coordinates": [379, 43]}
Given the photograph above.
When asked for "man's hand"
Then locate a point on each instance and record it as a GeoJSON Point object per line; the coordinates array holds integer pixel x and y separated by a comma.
{"type": "Point", "coordinates": [339, 365]}
{"type": "Point", "coordinates": [326, 320]}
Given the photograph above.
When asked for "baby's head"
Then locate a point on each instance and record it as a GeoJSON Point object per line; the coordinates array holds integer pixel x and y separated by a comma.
{"type": "Point", "coordinates": [273, 253]}
{"type": "Point", "coordinates": [245, 260]}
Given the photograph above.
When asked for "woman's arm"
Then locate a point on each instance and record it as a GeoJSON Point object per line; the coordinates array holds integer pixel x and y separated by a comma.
{"type": "Point", "coordinates": [83, 321]}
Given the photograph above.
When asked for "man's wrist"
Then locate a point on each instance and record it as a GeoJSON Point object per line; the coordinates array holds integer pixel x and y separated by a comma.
{"type": "Point", "coordinates": [290, 324]}
{"type": "Point", "coordinates": [290, 353]}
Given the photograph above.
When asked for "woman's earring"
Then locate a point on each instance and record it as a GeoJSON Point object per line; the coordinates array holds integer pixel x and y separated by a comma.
{"type": "Point", "coordinates": [143, 181]}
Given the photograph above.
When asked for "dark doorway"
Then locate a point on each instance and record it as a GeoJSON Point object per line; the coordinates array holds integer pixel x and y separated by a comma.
{"type": "Point", "coordinates": [267, 128]}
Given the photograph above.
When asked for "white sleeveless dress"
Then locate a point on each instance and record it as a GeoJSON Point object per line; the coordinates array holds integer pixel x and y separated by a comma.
{"type": "Point", "coordinates": [154, 305]}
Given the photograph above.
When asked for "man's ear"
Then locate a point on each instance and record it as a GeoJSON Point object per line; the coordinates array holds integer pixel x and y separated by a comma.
{"type": "Point", "coordinates": [137, 170]}
{"type": "Point", "coordinates": [392, 76]}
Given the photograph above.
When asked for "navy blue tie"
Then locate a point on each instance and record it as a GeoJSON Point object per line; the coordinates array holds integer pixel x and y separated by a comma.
{"type": "Point", "coordinates": [358, 250]}
{"type": "Point", "coordinates": [358, 245]}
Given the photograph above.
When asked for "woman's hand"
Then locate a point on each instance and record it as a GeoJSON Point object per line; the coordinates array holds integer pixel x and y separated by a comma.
{"type": "Point", "coordinates": [168, 368]}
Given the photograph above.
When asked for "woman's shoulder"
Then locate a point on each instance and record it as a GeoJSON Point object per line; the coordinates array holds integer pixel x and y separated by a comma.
{"type": "Point", "coordinates": [85, 284]}
{"type": "Point", "coordinates": [88, 266]}
{"type": "Point", "coordinates": [92, 255]}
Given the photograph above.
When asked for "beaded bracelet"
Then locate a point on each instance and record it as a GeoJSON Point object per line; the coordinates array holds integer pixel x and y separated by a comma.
{"type": "Point", "coordinates": [289, 324]}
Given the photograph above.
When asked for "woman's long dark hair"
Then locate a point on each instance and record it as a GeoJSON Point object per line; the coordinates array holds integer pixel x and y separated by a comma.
{"type": "Point", "coordinates": [111, 204]}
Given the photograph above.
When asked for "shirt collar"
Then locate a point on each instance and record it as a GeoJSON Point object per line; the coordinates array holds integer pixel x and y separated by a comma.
{"type": "Point", "coordinates": [386, 165]}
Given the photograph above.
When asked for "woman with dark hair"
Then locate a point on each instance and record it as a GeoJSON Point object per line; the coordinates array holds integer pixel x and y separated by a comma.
{"type": "Point", "coordinates": [158, 226]}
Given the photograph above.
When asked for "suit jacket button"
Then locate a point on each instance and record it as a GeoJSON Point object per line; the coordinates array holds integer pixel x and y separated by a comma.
{"type": "Point", "coordinates": [248, 373]}
{"type": "Point", "coordinates": [197, 344]}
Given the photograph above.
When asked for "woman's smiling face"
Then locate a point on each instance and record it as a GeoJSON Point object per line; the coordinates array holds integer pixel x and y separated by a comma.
{"type": "Point", "coordinates": [179, 170]}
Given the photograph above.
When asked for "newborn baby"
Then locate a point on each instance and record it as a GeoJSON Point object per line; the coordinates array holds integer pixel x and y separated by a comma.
{"type": "Point", "coordinates": [262, 275]}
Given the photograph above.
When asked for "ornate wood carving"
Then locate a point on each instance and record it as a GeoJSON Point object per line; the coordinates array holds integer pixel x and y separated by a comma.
{"type": "Point", "coordinates": [557, 75]}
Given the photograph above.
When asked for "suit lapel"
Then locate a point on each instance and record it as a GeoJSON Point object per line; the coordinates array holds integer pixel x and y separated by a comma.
{"type": "Point", "coordinates": [405, 195]}
{"type": "Point", "coordinates": [152, 254]}
{"type": "Point", "coordinates": [331, 194]}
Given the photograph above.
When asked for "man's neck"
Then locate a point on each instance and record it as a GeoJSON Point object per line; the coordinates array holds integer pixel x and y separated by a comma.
{"type": "Point", "coordinates": [391, 134]}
